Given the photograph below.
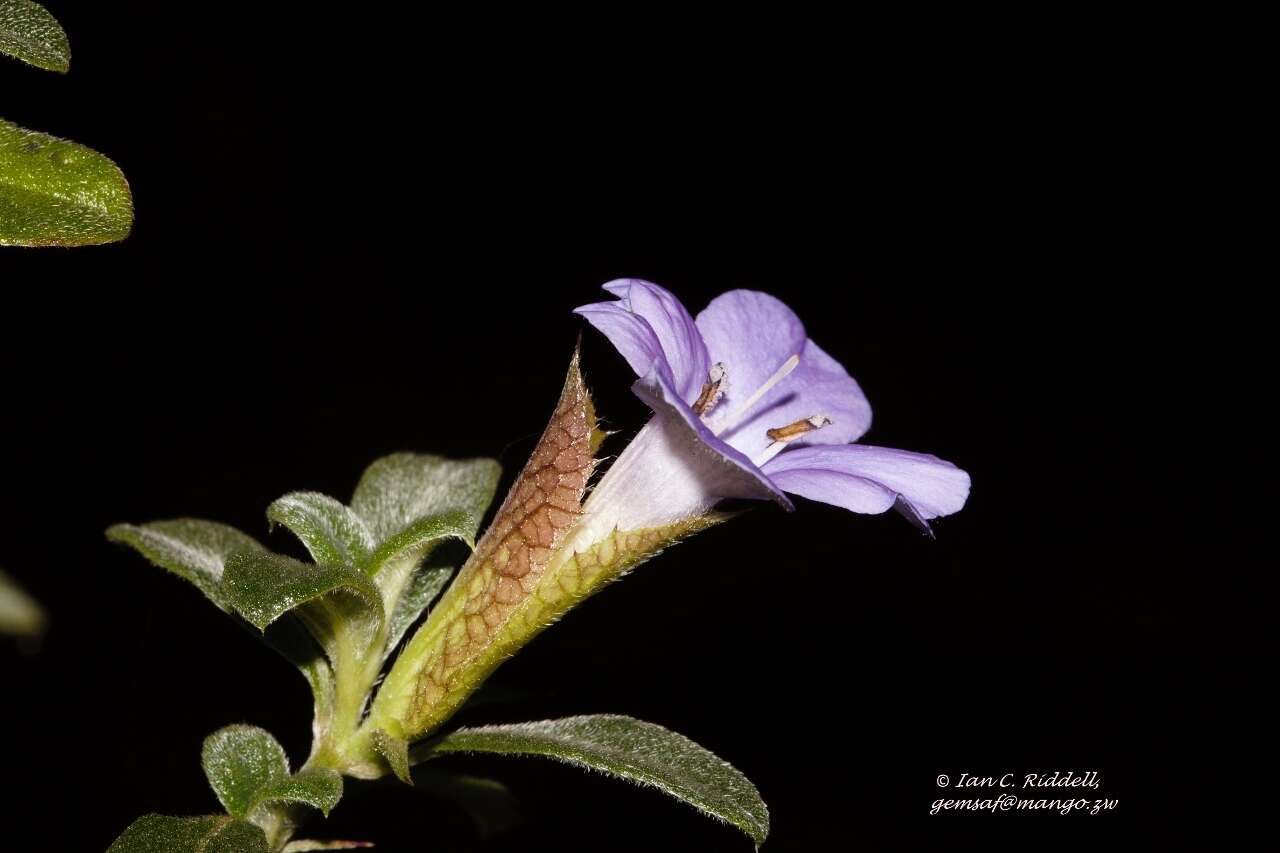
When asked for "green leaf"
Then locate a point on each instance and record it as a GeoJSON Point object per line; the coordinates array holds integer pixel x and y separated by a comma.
{"type": "Point", "coordinates": [247, 768]}
{"type": "Point", "coordinates": [423, 589]}
{"type": "Point", "coordinates": [396, 751]}
{"type": "Point", "coordinates": [58, 193]}
{"type": "Point", "coordinates": [156, 833]}
{"type": "Point", "coordinates": [239, 761]}
{"type": "Point", "coordinates": [317, 787]}
{"type": "Point", "coordinates": [190, 548]}
{"type": "Point", "coordinates": [332, 532]}
{"type": "Point", "coordinates": [418, 538]}
{"type": "Point", "coordinates": [628, 749]}
{"type": "Point", "coordinates": [19, 613]}
{"type": "Point", "coordinates": [28, 32]}
{"type": "Point", "coordinates": [397, 490]}
{"type": "Point", "coordinates": [264, 586]}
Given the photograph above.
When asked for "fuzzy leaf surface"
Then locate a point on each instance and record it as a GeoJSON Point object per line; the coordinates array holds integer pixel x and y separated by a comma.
{"type": "Point", "coordinates": [264, 586]}
{"type": "Point", "coordinates": [629, 749]}
{"type": "Point", "coordinates": [397, 490]}
{"type": "Point", "coordinates": [332, 532]}
{"type": "Point", "coordinates": [28, 32]}
{"type": "Point", "coordinates": [423, 589]}
{"type": "Point", "coordinates": [317, 787]}
{"type": "Point", "coordinates": [155, 833]}
{"type": "Point", "coordinates": [191, 548]}
{"type": "Point", "coordinates": [239, 761]}
{"type": "Point", "coordinates": [54, 192]}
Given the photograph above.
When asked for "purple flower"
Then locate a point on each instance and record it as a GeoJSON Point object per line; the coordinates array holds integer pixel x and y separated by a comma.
{"type": "Point", "coordinates": [746, 406]}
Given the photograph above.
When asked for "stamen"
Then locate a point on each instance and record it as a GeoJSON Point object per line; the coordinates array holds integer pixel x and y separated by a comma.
{"type": "Point", "coordinates": [781, 374]}
{"type": "Point", "coordinates": [798, 428]}
{"type": "Point", "coordinates": [782, 435]}
{"type": "Point", "coordinates": [712, 391]}
{"type": "Point", "coordinates": [768, 453]}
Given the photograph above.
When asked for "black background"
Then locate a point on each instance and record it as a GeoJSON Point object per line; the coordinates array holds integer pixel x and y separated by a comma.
{"type": "Point", "coordinates": [363, 231]}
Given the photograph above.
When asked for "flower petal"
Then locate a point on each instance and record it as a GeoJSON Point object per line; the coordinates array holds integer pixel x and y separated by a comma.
{"type": "Point", "coordinates": [630, 334]}
{"type": "Point", "coordinates": [818, 386]}
{"type": "Point", "coordinates": [675, 330]}
{"type": "Point", "coordinates": [872, 479]}
{"type": "Point", "coordinates": [737, 476]}
{"type": "Point", "coordinates": [753, 334]}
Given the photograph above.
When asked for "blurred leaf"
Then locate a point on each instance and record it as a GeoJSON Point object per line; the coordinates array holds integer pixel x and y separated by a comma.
{"type": "Point", "coordinates": [423, 589]}
{"type": "Point", "coordinates": [317, 787]}
{"type": "Point", "coordinates": [156, 833]}
{"type": "Point", "coordinates": [58, 193]}
{"type": "Point", "coordinates": [239, 761]}
{"type": "Point", "coordinates": [28, 32]}
{"type": "Point", "coordinates": [19, 613]}
{"type": "Point", "coordinates": [331, 531]}
{"type": "Point", "coordinates": [190, 548]}
{"type": "Point", "coordinates": [397, 490]}
{"type": "Point", "coordinates": [396, 751]}
{"type": "Point", "coordinates": [628, 749]}
{"type": "Point", "coordinates": [489, 803]}
{"type": "Point", "coordinates": [264, 586]}
{"type": "Point", "coordinates": [307, 844]}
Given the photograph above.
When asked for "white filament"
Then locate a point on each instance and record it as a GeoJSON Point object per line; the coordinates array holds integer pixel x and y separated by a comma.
{"type": "Point", "coordinates": [779, 375]}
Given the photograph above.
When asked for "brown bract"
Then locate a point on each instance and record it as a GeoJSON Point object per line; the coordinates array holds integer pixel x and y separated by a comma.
{"type": "Point", "coordinates": [510, 559]}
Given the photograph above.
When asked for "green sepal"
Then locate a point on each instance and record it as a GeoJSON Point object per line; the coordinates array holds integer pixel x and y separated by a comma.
{"type": "Point", "coordinates": [54, 192]}
{"type": "Point", "coordinates": [264, 586]}
{"type": "Point", "coordinates": [28, 32]}
{"type": "Point", "coordinates": [629, 749]}
{"type": "Point", "coordinates": [396, 751]}
{"type": "Point", "coordinates": [156, 833]}
{"type": "Point", "coordinates": [331, 531]}
{"type": "Point", "coordinates": [191, 548]}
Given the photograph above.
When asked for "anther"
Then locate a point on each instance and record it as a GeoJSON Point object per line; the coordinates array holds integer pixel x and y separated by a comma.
{"type": "Point", "coordinates": [799, 428]}
{"type": "Point", "coordinates": [781, 435]}
{"type": "Point", "coordinates": [712, 391]}
{"type": "Point", "coordinates": [779, 375]}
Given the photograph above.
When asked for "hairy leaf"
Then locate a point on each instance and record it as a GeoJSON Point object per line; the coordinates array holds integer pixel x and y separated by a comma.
{"type": "Point", "coordinates": [58, 193]}
{"type": "Point", "coordinates": [28, 32]}
{"type": "Point", "coordinates": [19, 614]}
{"type": "Point", "coordinates": [413, 542]}
{"type": "Point", "coordinates": [264, 586]}
{"type": "Point", "coordinates": [421, 591]}
{"type": "Point", "coordinates": [191, 548]}
{"type": "Point", "coordinates": [156, 833]}
{"type": "Point", "coordinates": [247, 768]}
{"type": "Point", "coordinates": [397, 490]}
{"type": "Point", "coordinates": [317, 787]}
{"type": "Point", "coordinates": [239, 761]}
{"type": "Point", "coordinates": [332, 532]}
{"type": "Point", "coordinates": [629, 749]}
